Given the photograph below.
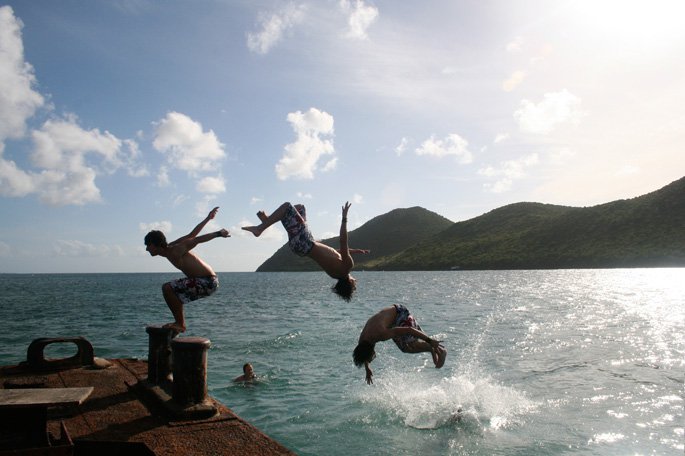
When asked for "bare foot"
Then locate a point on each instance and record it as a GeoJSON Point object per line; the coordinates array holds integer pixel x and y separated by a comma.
{"type": "Point", "coordinates": [261, 215]}
{"type": "Point", "coordinates": [177, 328]}
{"type": "Point", "coordinates": [257, 231]}
{"type": "Point", "coordinates": [442, 354]}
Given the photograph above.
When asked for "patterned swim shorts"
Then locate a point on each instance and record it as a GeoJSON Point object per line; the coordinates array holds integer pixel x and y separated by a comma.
{"type": "Point", "coordinates": [300, 239]}
{"type": "Point", "coordinates": [189, 289]}
{"type": "Point", "coordinates": [404, 319]}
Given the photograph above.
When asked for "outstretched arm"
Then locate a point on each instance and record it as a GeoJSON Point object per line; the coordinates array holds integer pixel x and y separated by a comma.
{"type": "Point", "coordinates": [190, 243]}
{"type": "Point", "coordinates": [355, 251]}
{"type": "Point", "coordinates": [198, 228]}
{"type": "Point", "coordinates": [344, 246]}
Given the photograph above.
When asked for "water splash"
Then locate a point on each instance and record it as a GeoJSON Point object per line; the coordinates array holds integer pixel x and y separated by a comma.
{"type": "Point", "coordinates": [476, 404]}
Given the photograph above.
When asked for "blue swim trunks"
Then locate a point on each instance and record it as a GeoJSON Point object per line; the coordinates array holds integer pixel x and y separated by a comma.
{"type": "Point", "coordinates": [300, 239]}
{"type": "Point", "coordinates": [405, 319]}
{"type": "Point", "coordinates": [189, 289]}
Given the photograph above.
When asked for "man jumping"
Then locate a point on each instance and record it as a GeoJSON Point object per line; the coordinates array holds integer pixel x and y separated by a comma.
{"type": "Point", "coordinates": [336, 263]}
{"type": "Point", "coordinates": [398, 324]}
{"type": "Point", "coordinates": [200, 280]}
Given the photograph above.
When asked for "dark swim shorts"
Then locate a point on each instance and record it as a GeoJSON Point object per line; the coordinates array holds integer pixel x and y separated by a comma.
{"type": "Point", "coordinates": [405, 319]}
{"type": "Point", "coordinates": [300, 239]}
{"type": "Point", "coordinates": [189, 289]}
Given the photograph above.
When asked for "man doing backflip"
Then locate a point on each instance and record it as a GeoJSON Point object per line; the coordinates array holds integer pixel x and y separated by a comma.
{"type": "Point", "coordinates": [336, 263]}
{"type": "Point", "coordinates": [398, 324]}
{"type": "Point", "coordinates": [200, 280]}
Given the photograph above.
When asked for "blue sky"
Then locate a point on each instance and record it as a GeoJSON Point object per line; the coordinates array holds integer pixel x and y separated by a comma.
{"type": "Point", "coordinates": [117, 117]}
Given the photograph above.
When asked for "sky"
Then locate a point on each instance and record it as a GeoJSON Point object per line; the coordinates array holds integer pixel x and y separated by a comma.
{"type": "Point", "coordinates": [122, 116]}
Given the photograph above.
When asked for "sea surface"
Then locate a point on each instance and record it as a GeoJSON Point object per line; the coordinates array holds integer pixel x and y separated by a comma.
{"type": "Point", "coordinates": [587, 362]}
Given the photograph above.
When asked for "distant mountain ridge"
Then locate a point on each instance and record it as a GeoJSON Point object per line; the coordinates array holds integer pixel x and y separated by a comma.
{"type": "Point", "coordinates": [646, 231]}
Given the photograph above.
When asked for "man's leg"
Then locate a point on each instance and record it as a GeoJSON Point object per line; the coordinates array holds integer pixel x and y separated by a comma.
{"type": "Point", "coordinates": [176, 306]}
{"type": "Point", "coordinates": [267, 221]}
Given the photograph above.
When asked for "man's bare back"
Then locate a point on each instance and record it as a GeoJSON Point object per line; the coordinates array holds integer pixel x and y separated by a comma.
{"type": "Point", "coordinates": [189, 263]}
{"type": "Point", "coordinates": [331, 261]}
{"type": "Point", "coordinates": [377, 328]}
{"type": "Point", "coordinates": [398, 324]}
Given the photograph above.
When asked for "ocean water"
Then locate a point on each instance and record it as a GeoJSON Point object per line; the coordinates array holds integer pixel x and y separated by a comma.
{"type": "Point", "coordinates": [587, 362]}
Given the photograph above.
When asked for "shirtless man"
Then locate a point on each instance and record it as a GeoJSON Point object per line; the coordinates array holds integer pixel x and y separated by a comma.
{"type": "Point", "coordinates": [398, 324]}
{"type": "Point", "coordinates": [336, 263]}
{"type": "Point", "coordinates": [200, 280]}
{"type": "Point", "coordinates": [248, 374]}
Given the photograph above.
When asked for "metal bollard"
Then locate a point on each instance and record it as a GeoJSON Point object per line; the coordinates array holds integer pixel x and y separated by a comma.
{"type": "Point", "coordinates": [159, 354]}
{"type": "Point", "coordinates": [189, 356]}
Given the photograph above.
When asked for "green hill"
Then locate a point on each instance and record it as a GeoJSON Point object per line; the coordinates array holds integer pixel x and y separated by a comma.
{"type": "Point", "coordinates": [385, 235]}
{"type": "Point", "coordinates": [646, 231]}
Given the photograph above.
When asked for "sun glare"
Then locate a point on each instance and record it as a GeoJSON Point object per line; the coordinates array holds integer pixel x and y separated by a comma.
{"type": "Point", "coordinates": [637, 22]}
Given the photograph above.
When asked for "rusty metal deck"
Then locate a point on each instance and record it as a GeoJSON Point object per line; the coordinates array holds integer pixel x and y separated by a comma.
{"type": "Point", "coordinates": [117, 411]}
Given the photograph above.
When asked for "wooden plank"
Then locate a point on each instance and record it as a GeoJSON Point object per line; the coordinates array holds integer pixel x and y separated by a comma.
{"type": "Point", "coordinates": [46, 397]}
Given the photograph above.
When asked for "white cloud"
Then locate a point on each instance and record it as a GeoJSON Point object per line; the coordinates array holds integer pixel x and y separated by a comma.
{"type": "Point", "coordinates": [453, 144]}
{"type": "Point", "coordinates": [163, 226]}
{"type": "Point", "coordinates": [179, 200]}
{"type": "Point", "coordinates": [134, 167]}
{"type": "Point", "coordinates": [211, 185]}
{"type": "Point", "coordinates": [67, 157]}
{"type": "Point", "coordinates": [516, 44]}
{"type": "Point", "coordinates": [73, 248]}
{"type": "Point", "coordinates": [163, 177]}
{"type": "Point", "coordinates": [60, 149]}
{"type": "Point", "coordinates": [330, 165]}
{"type": "Point", "coordinates": [402, 147]}
{"type": "Point", "coordinates": [557, 108]}
{"type": "Point", "coordinates": [18, 100]}
{"type": "Point", "coordinates": [254, 200]}
{"type": "Point", "coordinates": [627, 171]}
{"type": "Point", "coordinates": [501, 137]}
{"type": "Point", "coordinates": [357, 198]}
{"type": "Point", "coordinates": [187, 147]}
{"type": "Point", "coordinates": [62, 144]}
{"type": "Point", "coordinates": [273, 27]}
{"type": "Point", "coordinates": [514, 80]}
{"type": "Point", "coordinates": [313, 128]}
{"type": "Point", "coordinates": [304, 195]}
{"type": "Point", "coordinates": [361, 17]}
{"type": "Point", "coordinates": [14, 181]}
{"type": "Point", "coordinates": [5, 249]}
{"type": "Point", "coordinates": [507, 173]}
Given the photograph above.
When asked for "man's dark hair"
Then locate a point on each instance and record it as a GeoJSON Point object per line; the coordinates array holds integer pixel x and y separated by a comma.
{"type": "Point", "coordinates": [343, 288]}
{"type": "Point", "coordinates": [363, 353]}
{"type": "Point", "coordinates": [155, 237]}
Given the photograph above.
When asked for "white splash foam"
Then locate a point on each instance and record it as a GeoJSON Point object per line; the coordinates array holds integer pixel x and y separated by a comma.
{"type": "Point", "coordinates": [421, 401]}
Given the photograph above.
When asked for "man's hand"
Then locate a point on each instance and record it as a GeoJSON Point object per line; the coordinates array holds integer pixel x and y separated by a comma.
{"type": "Point", "coordinates": [345, 208]}
{"type": "Point", "coordinates": [223, 232]}
{"type": "Point", "coordinates": [369, 375]}
{"type": "Point", "coordinates": [212, 214]}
